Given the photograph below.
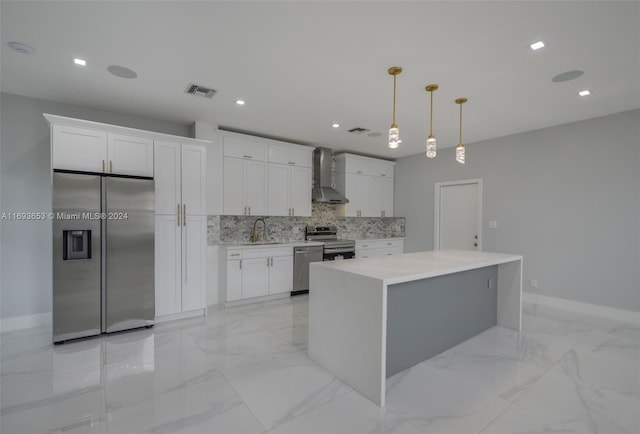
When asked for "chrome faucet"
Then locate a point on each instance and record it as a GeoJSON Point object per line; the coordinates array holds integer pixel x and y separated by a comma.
{"type": "Point", "coordinates": [255, 235]}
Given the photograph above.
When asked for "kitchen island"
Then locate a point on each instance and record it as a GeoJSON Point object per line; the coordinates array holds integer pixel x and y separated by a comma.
{"type": "Point", "coordinates": [370, 318]}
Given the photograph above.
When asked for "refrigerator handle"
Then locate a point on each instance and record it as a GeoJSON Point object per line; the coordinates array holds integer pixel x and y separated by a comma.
{"type": "Point", "coordinates": [184, 214]}
{"type": "Point", "coordinates": [178, 214]}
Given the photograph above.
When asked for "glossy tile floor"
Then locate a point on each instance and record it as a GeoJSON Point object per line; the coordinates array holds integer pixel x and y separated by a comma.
{"type": "Point", "coordinates": [245, 370]}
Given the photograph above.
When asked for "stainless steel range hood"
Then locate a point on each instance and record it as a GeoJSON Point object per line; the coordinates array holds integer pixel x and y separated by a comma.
{"type": "Point", "coordinates": [322, 190]}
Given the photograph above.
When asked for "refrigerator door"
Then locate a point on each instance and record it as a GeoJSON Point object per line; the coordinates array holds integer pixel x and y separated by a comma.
{"type": "Point", "coordinates": [129, 260]}
{"type": "Point", "coordinates": [76, 256]}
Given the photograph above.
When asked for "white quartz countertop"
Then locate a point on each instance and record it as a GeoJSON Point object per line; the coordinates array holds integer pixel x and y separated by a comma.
{"type": "Point", "coordinates": [295, 243]}
{"type": "Point", "coordinates": [419, 265]}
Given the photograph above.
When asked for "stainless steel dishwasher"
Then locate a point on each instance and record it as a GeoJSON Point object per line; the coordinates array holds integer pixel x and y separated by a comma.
{"type": "Point", "coordinates": [302, 257]}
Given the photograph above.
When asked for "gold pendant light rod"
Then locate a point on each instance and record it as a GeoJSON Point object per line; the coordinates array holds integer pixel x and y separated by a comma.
{"type": "Point", "coordinates": [460, 151]}
{"type": "Point", "coordinates": [394, 133]}
{"type": "Point", "coordinates": [431, 139]}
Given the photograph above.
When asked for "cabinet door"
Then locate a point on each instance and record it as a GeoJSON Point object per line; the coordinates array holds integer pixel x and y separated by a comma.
{"type": "Point", "coordinates": [281, 274]}
{"type": "Point", "coordinates": [256, 187]}
{"type": "Point", "coordinates": [385, 195]}
{"type": "Point", "coordinates": [79, 149]}
{"type": "Point", "coordinates": [194, 239]}
{"type": "Point", "coordinates": [255, 277]}
{"type": "Point", "coordinates": [234, 280]}
{"type": "Point", "coordinates": [129, 155]}
{"type": "Point", "coordinates": [233, 187]}
{"type": "Point", "coordinates": [194, 163]}
{"type": "Point", "coordinates": [300, 193]}
{"type": "Point", "coordinates": [358, 191]}
{"type": "Point", "coordinates": [167, 265]}
{"type": "Point", "coordinates": [166, 158]}
{"type": "Point", "coordinates": [279, 183]}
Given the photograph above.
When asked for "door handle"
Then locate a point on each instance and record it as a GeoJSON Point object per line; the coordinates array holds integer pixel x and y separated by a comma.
{"type": "Point", "coordinates": [184, 215]}
{"type": "Point", "coordinates": [178, 214]}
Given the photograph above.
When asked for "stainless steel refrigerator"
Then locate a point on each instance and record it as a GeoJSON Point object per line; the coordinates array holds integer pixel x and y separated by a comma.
{"type": "Point", "coordinates": [103, 254]}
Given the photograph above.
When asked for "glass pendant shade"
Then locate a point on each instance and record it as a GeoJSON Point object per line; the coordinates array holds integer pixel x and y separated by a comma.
{"type": "Point", "coordinates": [431, 147]}
{"type": "Point", "coordinates": [460, 153]}
{"type": "Point", "coordinates": [394, 137]}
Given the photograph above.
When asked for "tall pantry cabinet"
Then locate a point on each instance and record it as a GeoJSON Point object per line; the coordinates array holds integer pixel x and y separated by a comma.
{"type": "Point", "coordinates": [181, 227]}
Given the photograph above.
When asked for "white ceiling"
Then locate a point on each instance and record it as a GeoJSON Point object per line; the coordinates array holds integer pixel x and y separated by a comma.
{"type": "Point", "coordinates": [303, 65]}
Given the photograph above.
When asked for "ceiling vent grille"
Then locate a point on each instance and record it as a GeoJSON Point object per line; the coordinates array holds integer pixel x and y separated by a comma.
{"type": "Point", "coordinates": [358, 130]}
{"type": "Point", "coordinates": [196, 89]}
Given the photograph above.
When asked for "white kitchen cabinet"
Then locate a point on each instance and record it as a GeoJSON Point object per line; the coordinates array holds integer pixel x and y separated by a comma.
{"type": "Point", "coordinates": [90, 150]}
{"type": "Point", "coordinates": [258, 271]}
{"type": "Point", "coordinates": [129, 155]}
{"type": "Point", "coordinates": [289, 190]}
{"type": "Point", "coordinates": [379, 247]}
{"type": "Point", "coordinates": [181, 227]}
{"type": "Point", "coordinates": [245, 186]}
{"type": "Point", "coordinates": [78, 148]}
{"type": "Point", "coordinates": [367, 183]}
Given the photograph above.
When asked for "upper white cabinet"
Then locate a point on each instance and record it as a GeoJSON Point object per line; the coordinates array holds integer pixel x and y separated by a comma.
{"type": "Point", "coordinates": [130, 155]}
{"type": "Point", "coordinates": [289, 189]}
{"type": "Point", "coordinates": [90, 150]}
{"type": "Point", "coordinates": [265, 177]}
{"type": "Point", "coordinates": [367, 183]}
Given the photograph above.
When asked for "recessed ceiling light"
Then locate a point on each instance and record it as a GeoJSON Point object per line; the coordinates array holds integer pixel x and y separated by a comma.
{"type": "Point", "coordinates": [537, 45]}
{"type": "Point", "coordinates": [121, 71]}
{"type": "Point", "coordinates": [21, 48]}
{"type": "Point", "coordinates": [79, 61]}
{"type": "Point", "coordinates": [336, 125]}
{"type": "Point", "coordinates": [240, 101]}
{"type": "Point", "coordinates": [584, 92]}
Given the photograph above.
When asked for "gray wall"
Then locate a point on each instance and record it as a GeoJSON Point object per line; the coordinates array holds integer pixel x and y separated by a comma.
{"type": "Point", "coordinates": [567, 198]}
{"type": "Point", "coordinates": [25, 185]}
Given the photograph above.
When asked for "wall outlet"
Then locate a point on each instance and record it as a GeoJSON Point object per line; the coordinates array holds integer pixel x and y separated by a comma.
{"type": "Point", "coordinates": [493, 224]}
{"type": "Point", "coordinates": [533, 283]}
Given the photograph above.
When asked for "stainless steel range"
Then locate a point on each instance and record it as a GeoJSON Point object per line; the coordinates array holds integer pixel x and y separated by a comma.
{"type": "Point", "coordinates": [334, 248]}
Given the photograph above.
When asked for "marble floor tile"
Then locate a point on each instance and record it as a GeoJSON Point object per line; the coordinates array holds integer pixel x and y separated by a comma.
{"type": "Point", "coordinates": [349, 413]}
{"type": "Point", "coordinates": [245, 369]}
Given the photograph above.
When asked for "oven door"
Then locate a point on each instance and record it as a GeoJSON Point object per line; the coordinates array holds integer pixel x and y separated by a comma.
{"type": "Point", "coordinates": [331, 254]}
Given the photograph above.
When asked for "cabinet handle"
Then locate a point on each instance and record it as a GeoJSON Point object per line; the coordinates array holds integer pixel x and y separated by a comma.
{"type": "Point", "coordinates": [178, 214]}
{"type": "Point", "coordinates": [272, 262]}
{"type": "Point", "coordinates": [103, 165]}
{"type": "Point", "coordinates": [249, 210]}
{"type": "Point", "coordinates": [268, 262]}
{"type": "Point", "coordinates": [110, 166]}
{"type": "Point", "coordinates": [186, 254]}
{"type": "Point", "coordinates": [235, 254]}
{"type": "Point", "coordinates": [382, 174]}
{"type": "Point", "coordinates": [388, 244]}
{"type": "Point", "coordinates": [184, 215]}
{"type": "Point", "coordinates": [241, 264]}
{"type": "Point", "coordinates": [358, 171]}
{"type": "Point", "coordinates": [245, 210]}
{"type": "Point", "coordinates": [293, 211]}
{"type": "Point", "coordinates": [247, 156]}
{"type": "Point", "coordinates": [291, 162]}
{"type": "Point", "coordinates": [365, 245]}
{"type": "Point", "coordinates": [382, 213]}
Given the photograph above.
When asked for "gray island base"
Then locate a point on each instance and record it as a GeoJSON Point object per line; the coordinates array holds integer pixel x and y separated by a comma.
{"type": "Point", "coordinates": [371, 318]}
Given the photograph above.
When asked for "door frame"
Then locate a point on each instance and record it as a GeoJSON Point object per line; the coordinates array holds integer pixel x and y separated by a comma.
{"type": "Point", "coordinates": [436, 218]}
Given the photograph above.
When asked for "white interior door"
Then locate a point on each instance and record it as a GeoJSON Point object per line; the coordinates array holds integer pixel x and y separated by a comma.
{"type": "Point", "coordinates": [458, 215]}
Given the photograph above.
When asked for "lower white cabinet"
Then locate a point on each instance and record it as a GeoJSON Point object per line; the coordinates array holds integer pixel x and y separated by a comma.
{"type": "Point", "coordinates": [380, 247]}
{"type": "Point", "coordinates": [180, 264]}
{"type": "Point", "coordinates": [256, 272]}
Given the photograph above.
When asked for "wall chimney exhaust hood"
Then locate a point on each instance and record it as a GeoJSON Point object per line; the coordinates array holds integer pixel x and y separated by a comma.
{"type": "Point", "coordinates": [322, 190]}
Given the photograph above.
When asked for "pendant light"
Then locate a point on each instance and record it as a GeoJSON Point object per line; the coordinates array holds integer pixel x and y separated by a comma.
{"type": "Point", "coordinates": [431, 140]}
{"type": "Point", "coordinates": [394, 132]}
{"type": "Point", "coordinates": [460, 147]}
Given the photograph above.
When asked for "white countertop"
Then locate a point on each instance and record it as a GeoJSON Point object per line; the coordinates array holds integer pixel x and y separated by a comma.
{"type": "Point", "coordinates": [420, 265]}
{"type": "Point", "coordinates": [295, 243]}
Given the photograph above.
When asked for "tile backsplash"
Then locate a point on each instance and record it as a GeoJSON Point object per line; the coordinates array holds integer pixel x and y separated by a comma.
{"type": "Point", "coordinates": [237, 229]}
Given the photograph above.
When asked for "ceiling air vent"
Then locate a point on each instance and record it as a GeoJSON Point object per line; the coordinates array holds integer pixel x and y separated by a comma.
{"type": "Point", "coordinates": [358, 130]}
{"type": "Point", "coordinates": [196, 89]}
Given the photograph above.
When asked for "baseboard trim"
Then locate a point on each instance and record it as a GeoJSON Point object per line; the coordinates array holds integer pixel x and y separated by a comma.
{"type": "Point", "coordinates": [25, 321]}
{"type": "Point", "coordinates": [180, 315]}
{"type": "Point", "coordinates": [584, 308]}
